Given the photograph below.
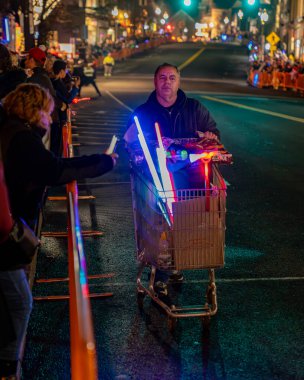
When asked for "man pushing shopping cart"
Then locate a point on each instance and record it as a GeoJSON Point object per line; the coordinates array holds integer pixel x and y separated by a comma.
{"type": "Point", "coordinates": [178, 193]}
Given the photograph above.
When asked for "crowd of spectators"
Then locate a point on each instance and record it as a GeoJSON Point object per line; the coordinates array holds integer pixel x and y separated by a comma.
{"type": "Point", "coordinates": [35, 93]}
{"type": "Point", "coordinates": [278, 64]}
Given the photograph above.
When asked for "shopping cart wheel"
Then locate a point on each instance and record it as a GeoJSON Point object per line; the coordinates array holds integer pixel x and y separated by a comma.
{"type": "Point", "coordinates": [140, 299]}
{"type": "Point", "coordinates": [171, 323]}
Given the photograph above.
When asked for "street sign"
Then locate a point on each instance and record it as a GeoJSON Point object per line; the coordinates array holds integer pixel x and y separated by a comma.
{"type": "Point", "coordinates": [273, 38]}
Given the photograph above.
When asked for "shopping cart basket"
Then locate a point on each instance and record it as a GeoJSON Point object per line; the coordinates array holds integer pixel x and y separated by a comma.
{"type": "Point", "coordinates": [194, 235]}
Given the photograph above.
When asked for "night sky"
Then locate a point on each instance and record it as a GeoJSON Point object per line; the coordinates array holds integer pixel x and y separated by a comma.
{"type": "Point", "coordinates": [176, 5]}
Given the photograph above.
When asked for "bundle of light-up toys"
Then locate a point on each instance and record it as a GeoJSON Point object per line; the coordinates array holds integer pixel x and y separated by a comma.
{"type": "Point", "coordinates": [171, 160]}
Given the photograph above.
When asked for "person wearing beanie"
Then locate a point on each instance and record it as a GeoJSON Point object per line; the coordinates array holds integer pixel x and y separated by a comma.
{"type": "Point", "coordinates": [35, 61]}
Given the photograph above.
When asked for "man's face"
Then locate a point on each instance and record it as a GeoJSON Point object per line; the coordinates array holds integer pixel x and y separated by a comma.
{"type": "Point", "coordinates": [29, 62]}
{"type": "Point", "coordinates": [62, 73]}
{"type": "Point", "coordinates": [166, 85]}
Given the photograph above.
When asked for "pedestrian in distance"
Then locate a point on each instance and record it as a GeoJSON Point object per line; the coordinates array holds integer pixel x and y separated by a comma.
{"type": "Point", "coordinates": [108, 64]}
{"type": "Point", "coordinates": [178, 117]}
{"type": "Point", "coordinates": [89, 76]}
{"type": "Point", "coordinates": [29, 167]}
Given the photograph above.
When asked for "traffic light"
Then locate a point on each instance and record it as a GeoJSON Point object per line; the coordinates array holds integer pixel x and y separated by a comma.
{"type": "Point", "coordinates": [250, 7]}
{"type": "Point", "coordinates": [187, 3]}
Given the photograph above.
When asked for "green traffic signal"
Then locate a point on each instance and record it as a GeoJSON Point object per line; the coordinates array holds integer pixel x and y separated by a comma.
{"type": "Point", "coordinates": [250, 2]}
{"type": "Point", "coordinates": [187, 3]}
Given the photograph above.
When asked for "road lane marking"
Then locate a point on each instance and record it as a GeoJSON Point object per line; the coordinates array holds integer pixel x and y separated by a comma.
{"type": "Point", "coordinates": [119, 101]}
{"type": "Point", "coordinates": [191, 59]}
{"type": "Point", "coordinates": [233, 104]}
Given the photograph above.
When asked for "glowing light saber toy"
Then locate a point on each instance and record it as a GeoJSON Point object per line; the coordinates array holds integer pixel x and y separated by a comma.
{"type": "Point", "coordinates": [149, 160]}
{"type": "Point", "coordinates": [77, 100]}
{"type": "Point", "coordinates": [205, 156]}
{"type": "Point", "coordinates": [165, 175]}
{"type": "Point", "coordinates": [112, 145]}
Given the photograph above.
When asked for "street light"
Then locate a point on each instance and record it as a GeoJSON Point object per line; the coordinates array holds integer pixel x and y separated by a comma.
{"type": "Point", "coordinates": [158, 11]}
{"type": "Point", "coordinates": [264, 18]}
{"type": "Point", "coordinates": [240, 14]}
{"type": "Point", "coordinates": [115, 14]}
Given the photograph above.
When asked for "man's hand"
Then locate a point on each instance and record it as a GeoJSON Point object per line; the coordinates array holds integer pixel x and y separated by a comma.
{"type": "Point", "coordinates": [77, 82]}
{"type": "Point", "coordinates": [208, 135]}
{"type": "Point", "coordinates": [63, 107]}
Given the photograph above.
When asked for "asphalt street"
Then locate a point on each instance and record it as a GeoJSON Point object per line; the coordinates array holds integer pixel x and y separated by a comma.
{"type": "Point", "coordinates": [257, 333]}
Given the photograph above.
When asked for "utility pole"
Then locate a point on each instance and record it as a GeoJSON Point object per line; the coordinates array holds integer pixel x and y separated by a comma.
{"type": "Point", "coordinates": [28, 23]}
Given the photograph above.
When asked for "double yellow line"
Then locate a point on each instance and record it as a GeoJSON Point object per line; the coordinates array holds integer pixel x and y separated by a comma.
{"type": "Point", "coordinates": [191, 59]}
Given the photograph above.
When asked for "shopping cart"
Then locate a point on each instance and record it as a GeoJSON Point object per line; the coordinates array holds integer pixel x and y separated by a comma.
{"type": "Point", "coordinates": [189, 236]}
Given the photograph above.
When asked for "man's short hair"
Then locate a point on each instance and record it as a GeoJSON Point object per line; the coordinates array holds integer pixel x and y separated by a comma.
{"type": "Point", "coordinates": [59, 65]}
{"type": "Point", "coordinates": [165, 64]}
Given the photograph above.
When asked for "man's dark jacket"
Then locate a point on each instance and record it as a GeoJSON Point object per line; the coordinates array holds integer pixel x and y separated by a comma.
{"type": "Point", "coordinates": [186, 118]}
{"type": "Point", "coordinates": [40, 76]}
{"type": "Point", "coordinates": [29, 167]}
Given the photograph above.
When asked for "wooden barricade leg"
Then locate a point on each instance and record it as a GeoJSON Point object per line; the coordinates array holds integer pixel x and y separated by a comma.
{"type": "Point", "coordinates": [67, 296]}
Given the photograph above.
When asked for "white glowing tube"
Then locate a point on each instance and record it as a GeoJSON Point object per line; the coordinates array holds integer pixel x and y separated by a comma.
{"type": "Point", "coordinates": [194, 157]}
{"type": "Point", "coordinates": [111, 148]}
{"type": "Point", "coordinates": [160, 141]}
{"type": "Point", "coordinates": [165, 176]}
{"type": "Point", "coordinates": [148, 158]}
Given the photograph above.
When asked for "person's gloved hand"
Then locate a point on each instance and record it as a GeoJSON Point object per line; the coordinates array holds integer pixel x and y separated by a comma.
{"type": "Point", "coordinates": [208, 135]}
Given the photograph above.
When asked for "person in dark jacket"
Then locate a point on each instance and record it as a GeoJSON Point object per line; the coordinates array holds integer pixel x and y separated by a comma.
{"type": "Point", "coordinates": [29, 167]}
{"type": "Point", "coordinates": [177, 115]}
{"type": "Point", "coordinates": [66, 96]}
{"type": "Point", "coordinates": [35, 61]}
{"type": "Point", "coordinates": [10, 76]}
{"type": "Point", "coordinates": [62, 91]}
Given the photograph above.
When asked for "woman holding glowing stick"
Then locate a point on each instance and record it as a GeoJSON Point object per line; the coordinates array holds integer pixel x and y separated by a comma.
{"type": "Point", "coordinates": [29, 167]}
